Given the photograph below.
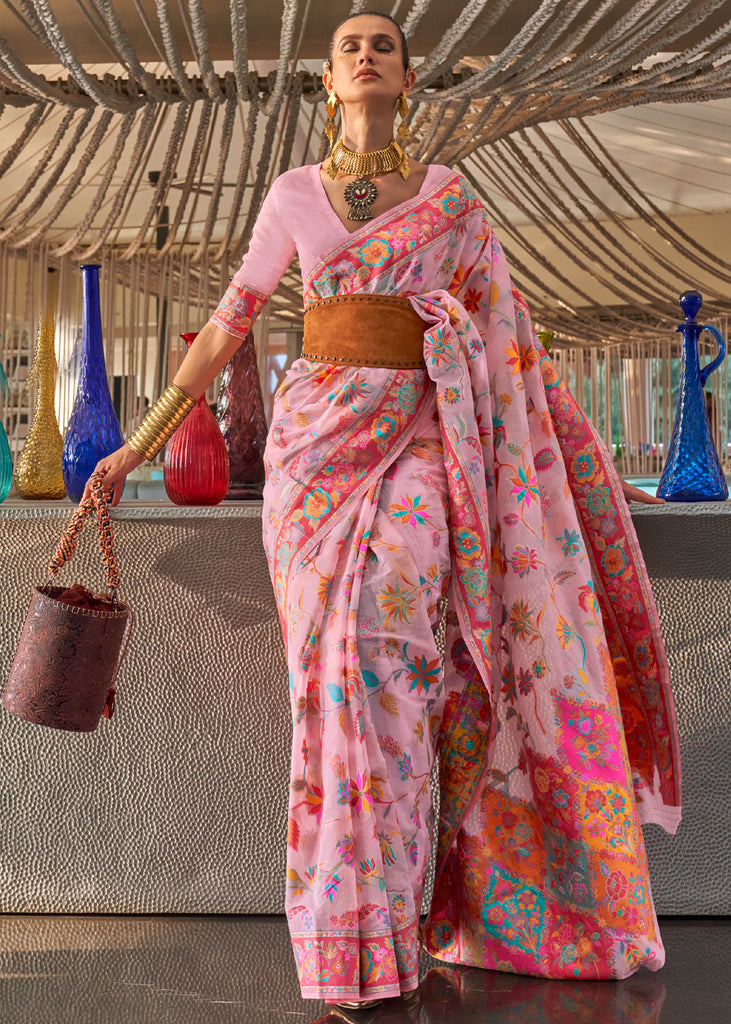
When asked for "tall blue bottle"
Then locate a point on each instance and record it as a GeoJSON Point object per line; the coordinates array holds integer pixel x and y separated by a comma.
{"type": "Point", "coordinates": [692, 470]}
{"type": "Point", "coordinates": [93, 429]}
{"type": "Point", "coordinates": [6, 460]}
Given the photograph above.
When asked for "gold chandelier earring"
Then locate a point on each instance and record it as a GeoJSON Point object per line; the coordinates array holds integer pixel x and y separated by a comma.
{"type": "Point", "coordinates": [331, 108]}
{"type": "Point", "coordinates": [331, 129]}
{"type": "Point", "coordinates": [403, 133]}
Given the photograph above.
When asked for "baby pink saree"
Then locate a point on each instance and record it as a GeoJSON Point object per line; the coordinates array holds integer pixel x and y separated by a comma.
{"type": "Point", "coordinates": [476, 483]}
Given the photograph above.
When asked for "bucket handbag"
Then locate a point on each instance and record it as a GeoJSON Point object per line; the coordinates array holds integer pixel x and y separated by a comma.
{"type": "Point", "coordinates": [73, 641]}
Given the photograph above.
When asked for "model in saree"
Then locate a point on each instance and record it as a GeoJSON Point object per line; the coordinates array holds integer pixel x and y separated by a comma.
{"type": "Point", "coordinates": [424, 455]}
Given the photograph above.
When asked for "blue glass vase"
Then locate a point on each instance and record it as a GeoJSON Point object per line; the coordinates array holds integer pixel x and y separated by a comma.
{"type": "Point", "coordinates": [692, 469]}
{"type": "Point", "coordinates": [6, 460]}
{"type": "Point", "coordinates": [93, 429]}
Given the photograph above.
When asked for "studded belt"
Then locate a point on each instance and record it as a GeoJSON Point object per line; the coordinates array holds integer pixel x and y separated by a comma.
{"type": "Point", "coordinates": [364, 330]}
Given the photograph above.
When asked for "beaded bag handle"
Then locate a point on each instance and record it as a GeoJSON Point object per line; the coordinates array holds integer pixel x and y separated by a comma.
{"type": "Point", "coordinates": [98, 502]}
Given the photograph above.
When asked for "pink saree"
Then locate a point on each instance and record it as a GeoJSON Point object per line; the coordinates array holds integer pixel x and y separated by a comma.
{"type": "Point", "coordinates": [475, 483]}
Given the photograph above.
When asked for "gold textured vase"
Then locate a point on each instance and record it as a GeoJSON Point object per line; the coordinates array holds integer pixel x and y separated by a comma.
{"type": "Point", "coordinates": [38, 469]}
{"type": "Point", "coordinates": [546, 339]}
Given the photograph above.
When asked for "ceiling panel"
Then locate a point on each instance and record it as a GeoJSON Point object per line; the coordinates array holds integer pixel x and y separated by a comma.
{"type": "Point", "coordinates": [264, 22]}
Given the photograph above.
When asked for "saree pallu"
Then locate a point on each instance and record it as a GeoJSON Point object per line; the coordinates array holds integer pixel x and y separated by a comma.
{"type": "Point", "coordinates": [476, 479]}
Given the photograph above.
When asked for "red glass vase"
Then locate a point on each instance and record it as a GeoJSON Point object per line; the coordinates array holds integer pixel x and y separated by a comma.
{"type": "Point", "coordinates": [196, 459]}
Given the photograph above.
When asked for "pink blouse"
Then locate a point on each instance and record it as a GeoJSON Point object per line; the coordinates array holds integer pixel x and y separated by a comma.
{"type": "Point", "coordinates": [296, 217]}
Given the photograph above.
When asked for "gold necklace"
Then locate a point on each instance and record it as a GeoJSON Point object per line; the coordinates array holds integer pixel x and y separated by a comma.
{"type": "Point", "coordinates": [361, 194]}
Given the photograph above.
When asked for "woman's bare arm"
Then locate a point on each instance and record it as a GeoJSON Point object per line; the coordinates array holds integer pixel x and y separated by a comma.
{"type": "Point", "coordinates": [205, 358]}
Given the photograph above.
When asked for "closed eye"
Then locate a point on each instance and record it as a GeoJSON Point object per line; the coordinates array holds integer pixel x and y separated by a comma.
{"type": "Point", "coordinates": [384, 44]}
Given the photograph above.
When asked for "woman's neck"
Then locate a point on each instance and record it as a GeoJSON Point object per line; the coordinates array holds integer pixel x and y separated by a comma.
{"type": "Point", "coordinates": [364, 131]}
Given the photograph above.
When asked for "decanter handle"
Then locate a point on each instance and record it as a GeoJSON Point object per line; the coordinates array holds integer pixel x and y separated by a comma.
{"type": "Point", "coordinates": [708, 369]}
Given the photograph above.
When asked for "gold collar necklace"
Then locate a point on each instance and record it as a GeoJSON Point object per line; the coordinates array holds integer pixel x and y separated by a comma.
{"type": "Point", "coordinates": [361, 194]}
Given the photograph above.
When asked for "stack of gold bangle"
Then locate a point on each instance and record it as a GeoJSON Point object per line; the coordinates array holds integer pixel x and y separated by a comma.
{"type": "Point", "coordinates": [162, 420]}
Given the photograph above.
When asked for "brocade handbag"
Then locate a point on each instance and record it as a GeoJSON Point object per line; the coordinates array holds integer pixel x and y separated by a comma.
{"type": "Point", "coordinates": [73, 640]}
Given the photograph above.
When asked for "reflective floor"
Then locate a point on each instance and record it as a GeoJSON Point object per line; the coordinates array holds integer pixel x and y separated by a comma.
{"type": "Point", "coordinates": [239, 970]}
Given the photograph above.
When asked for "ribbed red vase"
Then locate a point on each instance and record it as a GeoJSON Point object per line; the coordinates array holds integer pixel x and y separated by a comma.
{"type": "Point", "coordinates": [196, 459]}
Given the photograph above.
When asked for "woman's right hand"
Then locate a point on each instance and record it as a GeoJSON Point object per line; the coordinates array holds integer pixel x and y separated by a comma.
{"type": "Point", "coordinates": [114, 468]}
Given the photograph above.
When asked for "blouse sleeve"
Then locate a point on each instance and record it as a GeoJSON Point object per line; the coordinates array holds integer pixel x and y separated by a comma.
{"type": "Point", "coordinates": [270, 252]}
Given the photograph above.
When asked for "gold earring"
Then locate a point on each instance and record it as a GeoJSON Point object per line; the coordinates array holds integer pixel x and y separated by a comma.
{"type": "Point", "coordinates": [331, 108]}
{"type": "Point", "coordinates": [403, 130]}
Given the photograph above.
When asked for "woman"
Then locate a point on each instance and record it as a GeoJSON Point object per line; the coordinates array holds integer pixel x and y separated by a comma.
{"type": "Point", "coordinates": [425, 449]}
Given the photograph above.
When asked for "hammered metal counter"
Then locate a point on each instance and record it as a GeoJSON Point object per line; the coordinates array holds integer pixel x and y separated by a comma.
{"type": "Point", "coordinates": [178, 805]}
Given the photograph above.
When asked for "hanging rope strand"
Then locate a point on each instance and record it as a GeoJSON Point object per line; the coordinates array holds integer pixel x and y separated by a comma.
{"type": "Point", "coordinates": [217, 188]}
{"type": "Point", "coordinates": [187, 186]}
{"type": "Point", "coordinates": [100, 93]}
{"type": "Point", "coordinates": [660, 220]}
{"type": "Point", "coordinates": [197, 187]}
{"type": "Point", "coordinates": [172, 53]}
{"type": "Point", "coordinates": [147, 81]}
{"type": "Point", "coordinates": [182, 116]}
{"type": "Point", "coordinates": [38, 116]}
{"type": "Point", "coordinates": [74, 181]}
{"type": "Point", "coordinates": [40, 168]}
{"type": "Point", "coordinates": [628, 280]}
{"type": "Point", "coordinates": [243, 176]}
{"type": "Point", "coordinates": [240, 45]}
{"type": "Point", "coordinates": [470, 26]}
{"type": "Point", "coordinates": [200, 37]}
{"type": "Point", "coordinates": [591, 223]}
{"type": "Point", "coordinates": [136, 167]}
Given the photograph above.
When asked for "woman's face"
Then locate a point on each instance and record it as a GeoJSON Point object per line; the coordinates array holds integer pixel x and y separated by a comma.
{"type": "Point", "coordinates": [367, 62]}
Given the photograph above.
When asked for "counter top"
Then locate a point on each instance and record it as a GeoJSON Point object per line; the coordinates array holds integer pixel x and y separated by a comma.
{"type": "Point", "coordinates": [19, 508]}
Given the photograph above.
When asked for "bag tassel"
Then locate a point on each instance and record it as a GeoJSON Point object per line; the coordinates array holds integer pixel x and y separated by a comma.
{"type": "Point", "coordinates": [110, 704]}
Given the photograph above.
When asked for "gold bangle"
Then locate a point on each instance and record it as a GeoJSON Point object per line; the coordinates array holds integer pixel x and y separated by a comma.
{"type": "Point", "coordinates": [161, 422]}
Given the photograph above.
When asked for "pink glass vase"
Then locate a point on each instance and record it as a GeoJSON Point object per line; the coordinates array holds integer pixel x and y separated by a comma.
{"type": "Point", "coordinates": [196, 459]}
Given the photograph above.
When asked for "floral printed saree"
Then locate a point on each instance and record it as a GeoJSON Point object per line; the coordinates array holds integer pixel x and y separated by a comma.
{"type": "Point", "coordinates": [474, 490]}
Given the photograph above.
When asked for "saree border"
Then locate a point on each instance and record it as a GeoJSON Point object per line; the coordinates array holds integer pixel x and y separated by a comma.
{"type": "Point", "coordinates": [632, 626]}
{"type": "Point", "coordinates": [419, 224]}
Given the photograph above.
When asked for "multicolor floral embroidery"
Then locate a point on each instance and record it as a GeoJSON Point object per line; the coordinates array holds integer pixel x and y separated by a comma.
{"type": "Point", "coordinates": [390, 260]}
{"type": "Point", "coordinates": [239, 308]}
{"type": "Point", "coordinates": [627, 605]}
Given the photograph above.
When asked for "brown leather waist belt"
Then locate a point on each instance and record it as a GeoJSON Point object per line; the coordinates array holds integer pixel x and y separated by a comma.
{"type": "Point", "coordinates": [364, 330]}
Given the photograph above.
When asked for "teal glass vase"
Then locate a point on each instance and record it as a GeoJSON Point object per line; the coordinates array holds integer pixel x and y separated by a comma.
{"type": "Point", "coordinates": [692, 470]}
{"type": "Point", "coordinates": [6, 459]}
{"type": "Point", "coordinates": [93, 429]}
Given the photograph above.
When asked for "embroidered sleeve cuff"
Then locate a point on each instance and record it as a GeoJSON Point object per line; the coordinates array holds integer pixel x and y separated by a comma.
{"type": "Point", "coordinates": [238, 309]}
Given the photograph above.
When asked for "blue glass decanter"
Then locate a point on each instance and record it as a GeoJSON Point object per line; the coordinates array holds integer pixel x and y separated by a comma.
{"type": "Point", "coordinates": [93, 429]}
{"type": "Point", "coordinates": [6, 461]}
{"type": "Point", "coordinates": [692, 469]}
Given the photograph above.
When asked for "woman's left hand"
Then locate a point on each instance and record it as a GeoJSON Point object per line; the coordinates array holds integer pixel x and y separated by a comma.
{"type": "Point", "coordinates": [632, 493]}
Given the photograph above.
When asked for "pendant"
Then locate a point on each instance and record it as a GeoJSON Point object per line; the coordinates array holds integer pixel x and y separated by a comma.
{"type": "Point", "coordinates": [360, 195]}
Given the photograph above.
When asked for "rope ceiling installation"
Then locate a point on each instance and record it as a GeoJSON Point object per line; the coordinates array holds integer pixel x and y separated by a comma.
{"type": "Point", "coordinates": [199, 144]}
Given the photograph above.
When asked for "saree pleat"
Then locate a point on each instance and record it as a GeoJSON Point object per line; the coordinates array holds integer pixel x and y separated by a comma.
{"type": "Point", "coordinates": [478, 479]}
{"type": "Point", "coordinates": [360, 809]}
